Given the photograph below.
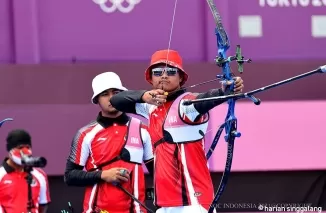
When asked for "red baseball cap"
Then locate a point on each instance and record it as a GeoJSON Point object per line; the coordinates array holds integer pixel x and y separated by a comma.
{"type": "Point", "coordinates": [170, 57]}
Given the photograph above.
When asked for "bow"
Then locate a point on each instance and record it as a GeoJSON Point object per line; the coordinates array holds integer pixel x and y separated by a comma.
{"type": "Point", "coordinates": [5, 120]}
{"type": "Point", "coordinates": [230, 124]}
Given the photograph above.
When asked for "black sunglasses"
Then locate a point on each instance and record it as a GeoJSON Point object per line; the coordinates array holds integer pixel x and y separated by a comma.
{"type": "Point", "coordinates": [170, 71]}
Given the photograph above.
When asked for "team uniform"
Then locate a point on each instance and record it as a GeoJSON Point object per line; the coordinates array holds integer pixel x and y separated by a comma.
{"type": "Point", "coordinates": [109, 143]}
{"type": "Point", "coordinates": [181, 176]}
{"type": "Point", "coordinates": [182, 179]}
{"type": "Point", "coordinates": [14, 190]}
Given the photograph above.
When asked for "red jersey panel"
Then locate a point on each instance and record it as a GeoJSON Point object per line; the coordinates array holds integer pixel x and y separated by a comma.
{"type": "Point", "coordinates": [14, 193]}
{"type": "Point", "coordinates": [95, 145]}
{"type": "Point", "coordinates": [181, 173]}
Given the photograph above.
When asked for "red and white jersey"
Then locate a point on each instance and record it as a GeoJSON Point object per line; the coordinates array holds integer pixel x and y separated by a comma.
{"type": "Point", "coordinates": [95, 145]}
{"type": "Point", "coordinates": [14, 190]}
{"type": "Point", "coordinates": [182, 176]}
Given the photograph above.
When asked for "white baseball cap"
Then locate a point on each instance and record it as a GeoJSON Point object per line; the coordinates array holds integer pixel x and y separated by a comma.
{"type": "Point", "coordinates": [105, 81]}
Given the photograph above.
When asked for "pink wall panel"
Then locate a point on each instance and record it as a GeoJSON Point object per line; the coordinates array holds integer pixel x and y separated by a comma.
{"type": "Point", "coordinates": [275, 136]}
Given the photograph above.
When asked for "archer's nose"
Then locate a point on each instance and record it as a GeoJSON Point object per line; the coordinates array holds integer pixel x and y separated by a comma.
{"type": "Point", "coordinates": [164, 75]}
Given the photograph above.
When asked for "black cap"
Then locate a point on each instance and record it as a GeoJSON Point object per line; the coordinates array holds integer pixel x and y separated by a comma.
{"type": "Point", "coordinates": [18, 137]}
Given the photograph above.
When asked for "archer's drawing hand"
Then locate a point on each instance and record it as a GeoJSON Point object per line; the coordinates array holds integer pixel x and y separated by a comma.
{"type": "Point", "coordinates": [155, 97]}
{"type": "Point", "coordinates": [115, 175]}
{"type": "Point", "coordinates": [238, 85]}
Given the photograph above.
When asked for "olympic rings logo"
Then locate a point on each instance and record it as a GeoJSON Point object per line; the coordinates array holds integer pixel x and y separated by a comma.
{"type": "Point", "coordinates": [116, 5]}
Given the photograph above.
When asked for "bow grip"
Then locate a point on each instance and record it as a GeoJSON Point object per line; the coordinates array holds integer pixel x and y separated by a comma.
{"type": "Point", "coordinates": [228, 88]}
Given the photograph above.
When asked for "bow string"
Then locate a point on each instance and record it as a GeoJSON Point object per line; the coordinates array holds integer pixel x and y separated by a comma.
{"type": "Point", "coordinates": [176, 164]}
{"type": "Point", "coordinates": [179, 147]}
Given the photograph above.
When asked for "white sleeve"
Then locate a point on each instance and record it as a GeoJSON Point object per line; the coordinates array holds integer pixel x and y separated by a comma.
{"type": "Point", "coordinates": [148, 150]}
{"type": "Point", "coordinates": [79, 151]}
{"type": "Point", "coordinates": [40, 175]}
{"type": "Point", "coordinates": [143, 109]}
{"type": "Point", "coordinates": [189, 111]}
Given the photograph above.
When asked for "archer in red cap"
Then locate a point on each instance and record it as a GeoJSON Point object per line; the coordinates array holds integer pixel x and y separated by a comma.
{"type": "Point", "coordinates": [167, 58]}
{"type": "Point", "coordinates": [182, 179]}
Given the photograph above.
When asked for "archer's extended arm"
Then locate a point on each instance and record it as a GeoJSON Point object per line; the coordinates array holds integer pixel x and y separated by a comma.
{"type": "Point", "coordinates": [204, 107]}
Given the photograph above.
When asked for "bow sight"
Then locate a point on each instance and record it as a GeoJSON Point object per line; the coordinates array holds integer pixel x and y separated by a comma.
{"type": "Point", "coordinates": [220, 61]}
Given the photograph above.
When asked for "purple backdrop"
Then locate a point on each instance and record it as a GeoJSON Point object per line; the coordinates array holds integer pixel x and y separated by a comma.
{"type": "Point", "coordinates": [59, 30]}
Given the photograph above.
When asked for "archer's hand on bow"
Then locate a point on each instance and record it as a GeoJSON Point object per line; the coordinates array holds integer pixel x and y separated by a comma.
{"type": "Point", "coordinates": [238, 85]}
{"type": "Point", "coordinates": [155, 97]}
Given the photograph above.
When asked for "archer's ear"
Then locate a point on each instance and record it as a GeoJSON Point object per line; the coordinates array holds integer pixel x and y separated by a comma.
{"type": "Point", "coordinates": [180, 78]}
{"type": "Point", "coordinates": [151, 80]}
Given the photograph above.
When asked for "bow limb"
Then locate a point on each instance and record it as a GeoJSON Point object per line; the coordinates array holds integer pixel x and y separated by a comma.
{"type": "Point", "coordinates": [5, 120]}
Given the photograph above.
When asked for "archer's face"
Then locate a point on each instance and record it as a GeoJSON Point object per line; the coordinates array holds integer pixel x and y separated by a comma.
{"type": "Point", "coordinates": [167, 78]}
